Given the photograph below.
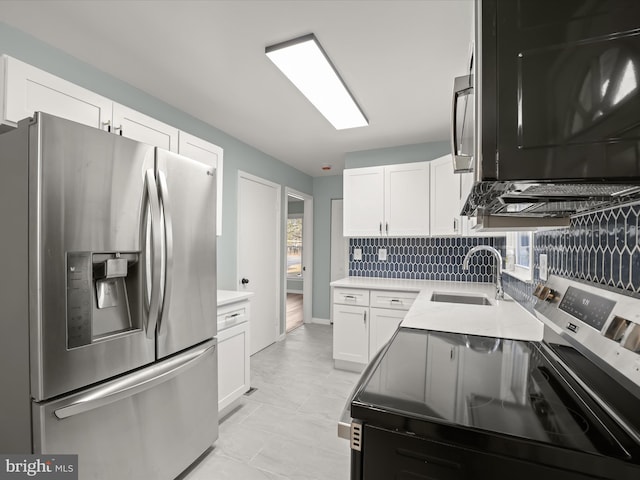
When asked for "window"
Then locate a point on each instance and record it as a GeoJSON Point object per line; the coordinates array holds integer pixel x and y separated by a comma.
{"type": "Point", "coordinates": [520, 255]}
{"type": "Point", "coordinates": [294, 246]}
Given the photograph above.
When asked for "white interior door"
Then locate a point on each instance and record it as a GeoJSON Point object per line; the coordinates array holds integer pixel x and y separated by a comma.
{"type": "Point", "coordinates": [259, 255]}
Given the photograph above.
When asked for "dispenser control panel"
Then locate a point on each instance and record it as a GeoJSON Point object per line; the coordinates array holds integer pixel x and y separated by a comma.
{"type": "Point", "coordinates": [79, 295]}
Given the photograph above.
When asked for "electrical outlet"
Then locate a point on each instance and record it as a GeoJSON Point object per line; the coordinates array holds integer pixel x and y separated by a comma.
{"type": "Point", "coordinates": [357, 254]}
{"type": "Point", "coordinates": [543, 266]}
{"type": "Point", "coordinates": [382, 254]}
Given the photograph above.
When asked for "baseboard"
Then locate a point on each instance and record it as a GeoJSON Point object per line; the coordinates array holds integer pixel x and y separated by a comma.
{"type": "Point", "coordinates": [350, 366]}
{"type": "Point", "coordinates": [321, 321]}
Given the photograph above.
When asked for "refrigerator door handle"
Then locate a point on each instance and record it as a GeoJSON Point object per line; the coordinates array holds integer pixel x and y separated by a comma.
{"type": "Point", "coordinates": [136, 383]}
{"type": "Point", "coordinates": [168, 237]}
{"type": "Point", "coordinates": [156, 247]}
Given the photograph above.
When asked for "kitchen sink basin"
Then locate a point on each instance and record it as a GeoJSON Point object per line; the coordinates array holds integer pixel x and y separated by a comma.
{"type": "Point", "coordinates": [464, 298]}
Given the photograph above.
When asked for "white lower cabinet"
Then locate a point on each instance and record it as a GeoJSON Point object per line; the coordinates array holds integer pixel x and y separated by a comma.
{"type": "Point", "coordinates": [350, 335]}
{"type": "Point", "coordinates": [364, 321]}
{"type": "Point", "coordinates": [233, 354]}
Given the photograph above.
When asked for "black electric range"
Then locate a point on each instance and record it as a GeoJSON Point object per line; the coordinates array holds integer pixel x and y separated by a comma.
{"type": "Point", "coordinates": [443, 405]}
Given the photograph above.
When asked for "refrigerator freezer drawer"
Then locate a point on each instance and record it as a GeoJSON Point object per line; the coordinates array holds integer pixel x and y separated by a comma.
{"type": "Point", "coordinates": [152, 423]}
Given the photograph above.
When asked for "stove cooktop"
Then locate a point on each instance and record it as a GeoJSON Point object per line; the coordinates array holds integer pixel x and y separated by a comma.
{"type": "Point", "coordinates": [509, 388]}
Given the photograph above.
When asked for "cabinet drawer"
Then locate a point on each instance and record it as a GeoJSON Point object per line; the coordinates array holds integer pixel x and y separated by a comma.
{"type": "Point", "coordinates": [392, 299]}
{"type": "Point", "coordinates": [351, 296]}
{"type": "Point", "coordinates": [231, 315]}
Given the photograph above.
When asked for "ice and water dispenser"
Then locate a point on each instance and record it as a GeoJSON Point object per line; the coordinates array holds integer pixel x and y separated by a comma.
{"type": "Point", "coordinates": [103, 296]}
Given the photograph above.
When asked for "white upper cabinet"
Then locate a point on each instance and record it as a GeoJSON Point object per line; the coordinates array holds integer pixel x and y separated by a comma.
{"type": "Point", "coordinates": [392, 200]}
{"type": "Point", "coordinates": [26, 89]}
{"type": "Point", "coordinates": [445, 198]}
{"type": "Point", "coordinates": [363, 201]}
{"type": "Point", "coordinates": [205, 152]}
{"type": "Point", "coordinates": [406, 199]}
{"type": "Point", "coordinates": [138, 126]}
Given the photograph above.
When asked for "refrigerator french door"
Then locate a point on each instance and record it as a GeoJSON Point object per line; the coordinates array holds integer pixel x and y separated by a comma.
{"type": "Point", "coordinates": [116, 336]}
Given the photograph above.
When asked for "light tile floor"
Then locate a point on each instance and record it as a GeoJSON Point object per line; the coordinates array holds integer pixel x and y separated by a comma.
{"type": "Point", "coordinates": [287, 428]}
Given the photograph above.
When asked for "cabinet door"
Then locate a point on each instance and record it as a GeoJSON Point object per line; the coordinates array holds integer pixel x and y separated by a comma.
{"type": "Point", "coordinates": [233, 364]}
{"type": "Point", "coordinates": [384, 323]}
{"type": "Point", "coordinates": [138, 126]}
{"type": "Point", "coordinates": [27, 89]}
{"type": "Point", "coordinates": [406, 202]}
{"type": "Point", "coordinates": [445, 197]}
{"type": "Point", "coordinates": [363, 190]}
{"type": "Point", "coordinates": [351, 333]}
{"type": "Point", "coordinates": [205, 152]}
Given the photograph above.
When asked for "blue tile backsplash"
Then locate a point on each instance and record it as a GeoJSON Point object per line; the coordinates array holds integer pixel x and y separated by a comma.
{"type": "Point", "coordinates": [433, 258]}
{"type": "Point", "coordinates": [601, 247]}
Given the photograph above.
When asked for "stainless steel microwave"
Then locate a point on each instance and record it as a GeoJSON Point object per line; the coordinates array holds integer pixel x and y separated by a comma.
{"type": "Point", "coordinates": [550, 111]}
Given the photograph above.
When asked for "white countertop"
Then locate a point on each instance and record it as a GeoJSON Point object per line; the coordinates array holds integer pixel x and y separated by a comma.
{"type": "Point", "coordinates": [504, 318]}
{"type": "Point", "coordinates": [225, 297]}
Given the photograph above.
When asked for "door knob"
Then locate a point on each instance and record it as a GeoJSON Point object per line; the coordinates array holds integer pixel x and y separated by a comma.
{"type": "Point", "coordinates": [244, 281]}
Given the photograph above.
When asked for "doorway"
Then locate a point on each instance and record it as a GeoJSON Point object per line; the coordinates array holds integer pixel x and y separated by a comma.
{"type": "Point", "coordinates": [259, 255]}
{"type": "Point", "coordinates": [298, 262]}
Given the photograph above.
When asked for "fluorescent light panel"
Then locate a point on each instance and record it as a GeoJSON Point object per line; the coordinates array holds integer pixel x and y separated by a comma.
{"type": "Point", "coordinates": [305, 63]}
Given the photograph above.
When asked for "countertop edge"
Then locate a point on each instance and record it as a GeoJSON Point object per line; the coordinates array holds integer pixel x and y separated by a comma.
{"type": "Point", "coordinates": [231, 296]}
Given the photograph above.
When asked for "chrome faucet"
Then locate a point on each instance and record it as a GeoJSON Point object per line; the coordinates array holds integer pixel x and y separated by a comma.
{"type": "Point", "coordinates": [496, 253]}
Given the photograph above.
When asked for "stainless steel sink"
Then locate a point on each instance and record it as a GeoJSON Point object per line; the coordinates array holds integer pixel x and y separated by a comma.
{"type": "Point", "coordinates": [464, 298]}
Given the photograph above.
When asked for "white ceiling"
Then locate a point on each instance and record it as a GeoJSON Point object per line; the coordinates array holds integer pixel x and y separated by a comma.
{"type": "Point", "coordinates": [207, 58]}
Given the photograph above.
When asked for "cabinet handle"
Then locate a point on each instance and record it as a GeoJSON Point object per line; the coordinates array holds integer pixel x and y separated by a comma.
{"type": "Point", "coordinates": [380, 228]}
{"type": "Point", "coordinates": [118, 129]}
{"type": "Point", "coordinates": [232, 316]}
{"type": "Point", "coordinates": [386, 227]}
{"type": "Point", "coordinates": [451, 353]}
{"type": "Point", "coordinates": [455, 224]}
{"type": "Point", "coordinates": [395, 300]}
{"type": "Point", "coordinates": [107, 125]}
{"type": "Point", "coordinates": [365, 317]}
{"type": "Point", "coordinates": [349, 297]}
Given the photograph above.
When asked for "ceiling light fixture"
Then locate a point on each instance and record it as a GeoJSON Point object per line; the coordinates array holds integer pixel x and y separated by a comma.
{"type": "Point", "coordinates": [306, 64]}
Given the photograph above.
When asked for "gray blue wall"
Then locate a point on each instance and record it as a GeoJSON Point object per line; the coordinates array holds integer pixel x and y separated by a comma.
{"type": "Point", "coordinates": [324, 190]}
{"type": "Point", "coordinates": [402, 154]}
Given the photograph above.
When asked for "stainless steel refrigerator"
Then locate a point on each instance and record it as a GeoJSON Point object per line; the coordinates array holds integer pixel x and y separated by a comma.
{"type": "Point", "coordinates": [107, 301]}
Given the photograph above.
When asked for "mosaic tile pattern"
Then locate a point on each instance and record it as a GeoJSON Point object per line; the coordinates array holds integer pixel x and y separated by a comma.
{"type": "Point", "coordinates": [432, 258]}
{"type": "Point", "coordinates": [601, 247]}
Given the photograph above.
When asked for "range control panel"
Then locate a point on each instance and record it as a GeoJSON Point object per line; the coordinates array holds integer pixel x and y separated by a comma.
{"type": "Point", "coordinates": [592, 309]}
{"type": "Point", "coordinates": [602, 320]}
